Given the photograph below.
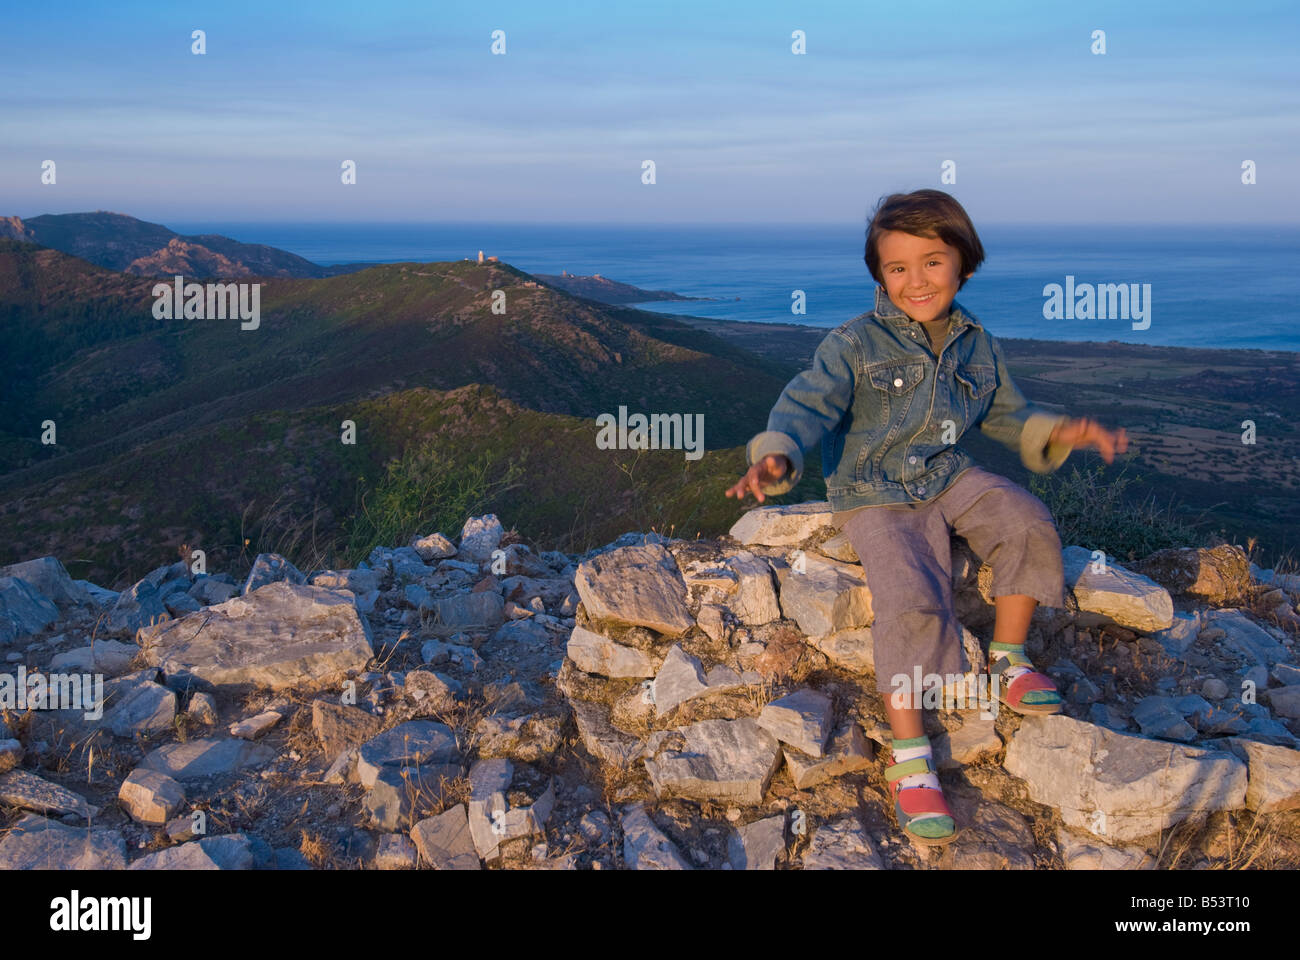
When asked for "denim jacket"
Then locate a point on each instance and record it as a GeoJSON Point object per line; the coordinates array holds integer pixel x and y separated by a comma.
{"type": "Point", "coordinates": [889, 412]}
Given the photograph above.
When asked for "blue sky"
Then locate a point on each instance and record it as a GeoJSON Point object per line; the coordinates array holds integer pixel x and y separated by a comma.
{"type": "Point", "coordinates": [1040, 129]}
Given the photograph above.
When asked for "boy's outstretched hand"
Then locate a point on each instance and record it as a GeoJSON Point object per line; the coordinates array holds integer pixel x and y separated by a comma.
{"type": "Point", "coordinates": [767, 471]}
{"type": "Point", "coordinates": [1084, 432]}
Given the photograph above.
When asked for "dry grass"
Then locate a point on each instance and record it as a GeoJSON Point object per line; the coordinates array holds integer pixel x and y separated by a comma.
{"type": "Point", "coordinates": [317, 851]}
{"type": "Point", "coordinates": [1236, 840]}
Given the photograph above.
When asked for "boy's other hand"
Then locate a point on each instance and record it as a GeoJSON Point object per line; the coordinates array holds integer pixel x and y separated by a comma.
{"type": "Point", "coordinates": [1085, 432]}
{"type": "Point", "coordinates": [767, 471]}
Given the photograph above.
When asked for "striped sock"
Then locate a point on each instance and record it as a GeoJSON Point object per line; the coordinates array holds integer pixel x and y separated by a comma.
{"type": "Point", "coordinates": [910, 749]}
{"type": "Point", "coordinates": [1015, 652]}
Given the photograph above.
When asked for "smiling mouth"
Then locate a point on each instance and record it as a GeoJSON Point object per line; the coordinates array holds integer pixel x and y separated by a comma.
{"type": "Point", "coordinates": [924, 299]}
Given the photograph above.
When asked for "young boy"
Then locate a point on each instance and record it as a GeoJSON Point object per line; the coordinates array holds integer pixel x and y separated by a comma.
{"type": "Point", "coordinates": [889, 395]}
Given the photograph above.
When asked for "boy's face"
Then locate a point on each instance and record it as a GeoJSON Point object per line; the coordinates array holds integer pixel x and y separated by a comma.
{"type": "Point", "coordinates": [921, 273]}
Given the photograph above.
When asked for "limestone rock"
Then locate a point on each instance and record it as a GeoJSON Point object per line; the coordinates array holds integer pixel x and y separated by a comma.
{"type": "Point", "coordinates": [230, 852]}
{"type": "Point", "coordinates": [150, 797]}
{"type": "Point", "coordinates": [1088, 854]}
{"type": "Point", "coordinates": [839, 547]}
{"type": "Point", "coordinates": [396, 852]}
{"type": "Point", "coordinates": [47, 576]}
{"type": "Point", "coordinates": [847, 751]}
{"type": "Point", "coordinates": [635, 586]}
{"type": "Point", "coordinates": [1285, 701]}
{"type": "Point", "coordinates": [842, 845]}
{"type": "Point", "coordinates": [717, 760]}
{"type": "Point", "coordinates": [444, 841]}
{"type": "Point", "coordinates": [755, 846]}
{"type": "Point", "coordinates": [209, 590]}
{"type": "Point", "coordinates": [473, 612]}
{"type": "Point", "coordinates": [1240, 635]}
{"type": "Point", "coordinates": [136, 608]}
{"type": "Point", "coordinates": [35, 843]}
{"type": "Point", "coordinates": [602, 740]}
{"type": "Point", "coordinates": [1115, 594]}
{"type": "Point", "coordinates": [975, 740]}
{"type": "Point", "coordinates": [645, 846]}
{"type": "Point", "coordinates": [592, 652]}
{"type": "Point", "coordinates": [1120, 787]}
{"type": "Point", "coordinates": [479, 537]}
{"type": "Point", "coordinates": [433, 546]}
{"type": "Point", "coordinates": [104, 656]}
{"type": "Point", "coordinates": [279, 636]}
{"type": "Point", "coordinates": [1274, 775]}
{"type": "Point", "coordinates": [24, 610]}
{"type": "Point", "coordinates": [253, 728]}
{"type": "Point", "coordinates": [199, 758]}
{"type": "Point", "coordinates": [826, 596]}
{"type": "Point", "coordinates": [850, 649]}
{"type": "Point", "coordinates": [203, 709]}
{"type": "Point", "coordinates": [19, 788]}
{"type": "Point", "coordinates": [781, 526]}
{"type": "Point", "coordinates": [398, 792]}
{"type": "Point", "coordinates": [754, 601]}
{"type": "Point", "coordinates": [271, 568]}
{"type": "Point", "coordinates": [143, 708]}
{"type": "Point", "coordinates": [1216, 575]}
{"type": "Point", "coordinates": [416, 742]}
{"type": "Point", "coordinates": [801, 719]}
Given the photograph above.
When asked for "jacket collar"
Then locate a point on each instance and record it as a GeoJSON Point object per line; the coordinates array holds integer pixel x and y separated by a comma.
{"type": "Point", "coordinates": [887, 311]}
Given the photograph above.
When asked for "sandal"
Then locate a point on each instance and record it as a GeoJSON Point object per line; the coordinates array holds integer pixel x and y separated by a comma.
{"type": "Point", "coordinates": [1013, 695]}
{"type": "Point", "coordinates": [911, 801]}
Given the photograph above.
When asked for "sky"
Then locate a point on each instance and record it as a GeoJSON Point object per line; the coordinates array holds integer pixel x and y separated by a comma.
{"type": "Point", "coordinates": [1038, 127]}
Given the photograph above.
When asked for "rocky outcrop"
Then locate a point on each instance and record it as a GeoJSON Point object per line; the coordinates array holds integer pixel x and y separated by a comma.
{"type": "Point", "coordinates": [464, 702]}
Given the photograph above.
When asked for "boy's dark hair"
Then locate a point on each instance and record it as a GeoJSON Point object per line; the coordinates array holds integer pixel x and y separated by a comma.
{"type": "Point", "coordinates": [925, 213]}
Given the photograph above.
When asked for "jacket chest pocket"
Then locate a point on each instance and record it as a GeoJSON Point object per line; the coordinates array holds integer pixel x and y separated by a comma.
{"type": "Point", "coordinates": [977, 382]}
{"type": "Point", "coordinates": [897, 379]}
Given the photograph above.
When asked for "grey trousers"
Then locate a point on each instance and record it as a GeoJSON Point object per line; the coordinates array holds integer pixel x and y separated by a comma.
{"type": "Point", "coordinates": [905, 552]}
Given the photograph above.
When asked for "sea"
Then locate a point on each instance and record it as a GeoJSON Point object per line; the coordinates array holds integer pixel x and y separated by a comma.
{"type": "Point", "coordinates": [1209, 286]}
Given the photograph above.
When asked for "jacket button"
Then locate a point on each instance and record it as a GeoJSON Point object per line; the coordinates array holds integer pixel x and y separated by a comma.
{"type": "Point", "coordinates": [911, 459]}
{"type": "Point", "coordinates": [920, 490]}
{"type": "Point", "coordinates": [898, 381]}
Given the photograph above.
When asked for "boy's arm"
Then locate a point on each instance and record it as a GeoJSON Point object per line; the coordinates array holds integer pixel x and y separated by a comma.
{"type": "Point", "coordinates": [811, 406]}
{"type": "Point", "coordinates": [1019, 425]}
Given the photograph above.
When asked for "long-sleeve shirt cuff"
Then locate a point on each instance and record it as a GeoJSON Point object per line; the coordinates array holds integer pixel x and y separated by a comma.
{"type": "Point", "coordinates": [1036, 452]}
{"type": "Point", "coordinates": [773, 441]}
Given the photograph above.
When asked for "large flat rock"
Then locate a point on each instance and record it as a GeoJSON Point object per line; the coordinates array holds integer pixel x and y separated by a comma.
{"type": "Point", "coordinates": [596, 653]}
{"type": "Point", "coordinates": [716, 760]}
{"type": "Point", "coordinates": [35, 843]}
{"type": "Point", "coordinates": [635, 586]}
{"type": "Point", "coordinates": [195, 759]}
{"type": "Point", "coordinates": [1113, 594]}
{"type": "Point", "coordinates": [230, 852]}
{"type": "Point", "coordinates": [279, 636]}
{"type": "Point", "coordinates": [20, 788]}
{"type": "Point", "coordinates": [444, 841]}
{"type": "Point", "coordinates": [781, 526]}
{"type": "Point", "coordinates": [50, 579]}
{"type": "Point", "coordinates": [825, 596]}
{"type": "Point", "coordinates": [414, 743]}
{"type": "Point", "coordinates": [1119, 787]}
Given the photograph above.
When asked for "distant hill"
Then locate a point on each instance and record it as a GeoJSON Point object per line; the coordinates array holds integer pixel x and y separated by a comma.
{"type": "Point", "coordinates": [119, 242]}
{"type": "Point", "coordinates": [605, 290]}
{"type": "Point", "coordinates": [186, 422]}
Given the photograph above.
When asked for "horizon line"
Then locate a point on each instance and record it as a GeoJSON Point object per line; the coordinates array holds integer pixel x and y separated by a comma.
{"type": "Point", "coordinates": [666, 223]}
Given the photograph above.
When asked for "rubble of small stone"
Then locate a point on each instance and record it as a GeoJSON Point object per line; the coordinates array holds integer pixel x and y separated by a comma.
{"type": "Point", "coordinates": [651, 704]}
